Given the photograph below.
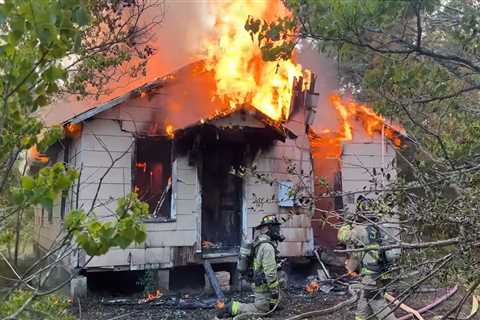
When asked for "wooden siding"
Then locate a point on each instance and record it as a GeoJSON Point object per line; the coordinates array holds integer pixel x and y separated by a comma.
{"type": "Point", "coordinates": [101, 133]}
{"type": "Point", "coordinates": [104, 137]}
{"type": "Point", "coordinates": [274, 163]}
{"type": "Point", "coordinates": [362, 162]}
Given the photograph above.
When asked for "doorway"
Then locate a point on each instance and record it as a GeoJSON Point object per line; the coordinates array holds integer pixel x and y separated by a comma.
{"type": "Point", "coordinates": [222, 194]}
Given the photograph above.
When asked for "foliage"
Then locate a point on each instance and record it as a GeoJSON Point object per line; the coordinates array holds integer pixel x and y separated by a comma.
{"type": "Point", "coordinates": [49, 48]}
{"type": "Point", "coordinates": [48, 307]}
{"type": "Point", "coordinates": [44, 187]}
{"type": "Point", "coordinates": [97, 237]}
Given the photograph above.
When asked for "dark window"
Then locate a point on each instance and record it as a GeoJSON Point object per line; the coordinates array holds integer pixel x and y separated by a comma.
{"type": "Point", "coordinates": [43, 217]}
{"type": "Point", "coordinates": [152, 174]}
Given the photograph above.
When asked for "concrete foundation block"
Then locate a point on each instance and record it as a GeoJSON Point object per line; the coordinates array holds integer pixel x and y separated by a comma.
{"type": "Point", "coordinates": [78, 287]}
{"type": "Point", "coordinates": [163, 279]}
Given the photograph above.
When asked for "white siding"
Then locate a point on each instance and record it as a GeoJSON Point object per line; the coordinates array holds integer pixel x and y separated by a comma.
{"type": "Point", "coordinates": [103, 139]}
{"type": "Point", "coordinates": [274, 163]}
{"type": "Point", "coordinates": [106, 156]}
{"type": "Point", "coordinates": [367, 165]}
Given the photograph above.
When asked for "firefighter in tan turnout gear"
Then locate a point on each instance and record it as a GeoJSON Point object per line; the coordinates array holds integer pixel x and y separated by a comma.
{"type": "Point", "coordinates": [261, 268]}
{"type": "Point", "coordinates": [370, 265]}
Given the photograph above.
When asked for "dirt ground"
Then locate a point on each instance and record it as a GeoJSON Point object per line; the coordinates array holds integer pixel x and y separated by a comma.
{"type": "Point", "coordinates": [295, 302]}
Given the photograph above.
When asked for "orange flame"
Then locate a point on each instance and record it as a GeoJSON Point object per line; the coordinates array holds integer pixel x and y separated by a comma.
{"type": "Point", "coordinates": [36, 156]}
{"type": "Point", "coordinates": [327, 144]}
{"type": "Point", "coordinates": [220, 304]}
{"type": "Point", "coordinates": [349, 111]}
{"type": "Point", "coordinates": [72, 130]}
{"type": "Point", "coordinates": [141, 165]}
{"type": "Point", "coordinates": [241, 74]}
{"type": "Point", "coordinates": [153, 295]}
{"type": "Point", "coordinates": [169, 131]}
{"type": "Point", "coordinates": [312, 287]}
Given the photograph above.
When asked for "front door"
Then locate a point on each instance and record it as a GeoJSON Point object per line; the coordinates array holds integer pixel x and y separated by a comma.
{"type": "Point", "coordinates": [221, 198]}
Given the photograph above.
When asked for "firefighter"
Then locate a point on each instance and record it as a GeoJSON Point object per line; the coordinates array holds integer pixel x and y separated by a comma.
{"type": "Point", "coordinates": [264, 265]}
{"type": "Point", "coordinates": [370, 265]}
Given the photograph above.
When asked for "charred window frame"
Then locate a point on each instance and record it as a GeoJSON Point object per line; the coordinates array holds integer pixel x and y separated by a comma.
{"type": "Point", "coordinates": [152, 175]}
{"type": "Point", "coordinates": [337, 188]}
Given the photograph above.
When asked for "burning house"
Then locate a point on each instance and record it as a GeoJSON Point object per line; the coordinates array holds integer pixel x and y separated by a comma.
{"type": "Point", "coordinates": [188, 167]}
{"type": "Point", "coordinates": [212, 148]}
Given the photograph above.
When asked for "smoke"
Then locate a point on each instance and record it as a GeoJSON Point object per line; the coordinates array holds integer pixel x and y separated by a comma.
{"type": "Point", "coordinates": [178, 39]}
{"type": "Point", "coordinates": [325, 70]}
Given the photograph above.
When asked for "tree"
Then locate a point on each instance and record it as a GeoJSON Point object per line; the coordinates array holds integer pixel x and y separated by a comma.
{"type": "Point", "coordinates": [50, 47]}
{"type": "Point", "coordinates": [418, 63]}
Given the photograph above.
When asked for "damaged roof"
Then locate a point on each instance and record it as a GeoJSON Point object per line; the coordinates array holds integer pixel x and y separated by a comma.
{"type": "Point", "coordinates": [228, 120]}
{"type": "Point", "coordinates": [184, 99]}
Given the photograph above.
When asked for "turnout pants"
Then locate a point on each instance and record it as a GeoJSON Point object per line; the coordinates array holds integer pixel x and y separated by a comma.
{"type": "Point", "coordinates": [260, 305]}
{"type": "Point", "coordinates": [371, 301]}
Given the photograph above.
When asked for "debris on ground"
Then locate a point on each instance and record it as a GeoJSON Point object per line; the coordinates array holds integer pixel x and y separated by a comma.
{"type": "Point", "coordinates": [297, 303]}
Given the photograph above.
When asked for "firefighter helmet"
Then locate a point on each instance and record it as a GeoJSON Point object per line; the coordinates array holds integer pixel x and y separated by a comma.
{"type": "Point", "coordinates": [268, 220]}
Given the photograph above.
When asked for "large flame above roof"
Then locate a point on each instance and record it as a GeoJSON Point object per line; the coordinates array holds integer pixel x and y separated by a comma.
{"type": "Point", "coordinates": [240, 73]}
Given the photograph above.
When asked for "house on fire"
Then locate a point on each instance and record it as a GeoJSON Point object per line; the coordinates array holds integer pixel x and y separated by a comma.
{"type": "Point", "coordinates": [166, 141]}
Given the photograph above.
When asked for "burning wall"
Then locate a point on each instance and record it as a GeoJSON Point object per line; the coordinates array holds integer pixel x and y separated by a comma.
{"type": "Point", "coordinates": [355, 158]}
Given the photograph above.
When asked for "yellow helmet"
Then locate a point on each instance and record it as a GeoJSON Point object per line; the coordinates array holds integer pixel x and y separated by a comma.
{"type": "Point", "coordinates": [344, 233]}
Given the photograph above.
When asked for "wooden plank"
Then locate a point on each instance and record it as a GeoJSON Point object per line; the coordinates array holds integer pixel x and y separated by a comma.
{"type": "Point", "coordinates": [186, 222]}
{"type": "Point", "coordinates": [185, 206]}
{"type": "Point", "coordinates": [102, 159]}
{"type": "Point", "coordinates": [367, 149]}
{"type": "Point", "coordinates": [187, 176]}
{"type": "Point", "coordinates": [285, 152]}
{"type": "Point", "coordinates": [131, 256]}
{"type": "Point", "coordinates": [295, 234]}
{"type": "Point", "coordinates": [291, 249]}
{"type": "Point", "coordinates": [161, 226]}
{"type": "Point", "coordinates": [111, 143]}
{"type": "Point", "coordinates": [114, 175]}
{"type": "Point", "coordinates": [185, 191]}
{"type": "Point", "coordinates": [213, 280]}
{"type": "Point", "coordinates": [297, 221]}
{"type": "Point", "coordinates": [107, 190]}
{"type": "Point", "coordinates": [102, 127]}
{"type": "Point", "coordinates": [172, 238]}
{"type": "Point", "coordinates": [359, 161]}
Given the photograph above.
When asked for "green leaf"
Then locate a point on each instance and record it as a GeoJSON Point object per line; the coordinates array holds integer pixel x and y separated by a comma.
{"type": "Point", "coordinates": [27, 182]}
{"type": "Point", "coordinates": [81, 16]}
